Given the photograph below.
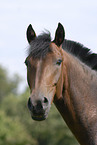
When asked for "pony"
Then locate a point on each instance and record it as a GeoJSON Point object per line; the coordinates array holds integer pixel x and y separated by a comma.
{"type": "Point", "coordinates": [63, 72]}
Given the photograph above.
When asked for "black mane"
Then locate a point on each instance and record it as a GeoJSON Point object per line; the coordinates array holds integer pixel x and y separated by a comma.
{"type": "Point", "coordinates": [81, 52]}
{"type": "Point", "coordinates": [40, 46]}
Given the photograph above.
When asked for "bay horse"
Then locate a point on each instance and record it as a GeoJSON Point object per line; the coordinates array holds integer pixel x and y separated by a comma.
{"type": "Point", "coordinates": [63, 72]}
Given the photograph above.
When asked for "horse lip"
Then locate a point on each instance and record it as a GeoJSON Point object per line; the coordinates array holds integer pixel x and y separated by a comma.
{"type": "Point", "coordinates": [38, 117]}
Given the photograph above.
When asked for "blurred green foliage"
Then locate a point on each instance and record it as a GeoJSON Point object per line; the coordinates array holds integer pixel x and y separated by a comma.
{"type": "Point", "coordinates": [7, 84]}
{"type": "Point", "coordinates": [16, 125]}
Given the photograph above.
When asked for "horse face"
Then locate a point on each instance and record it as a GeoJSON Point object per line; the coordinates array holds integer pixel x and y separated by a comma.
{"type": "Point", "coordinates": [43, 75]}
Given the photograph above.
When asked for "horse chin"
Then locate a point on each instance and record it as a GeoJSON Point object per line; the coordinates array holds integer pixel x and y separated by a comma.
{"type": "Point", "coordinates": [39, 117]}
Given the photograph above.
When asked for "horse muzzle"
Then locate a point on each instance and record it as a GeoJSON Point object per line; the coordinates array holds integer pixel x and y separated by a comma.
{"type": "Point", "coordinates": [39, 109]}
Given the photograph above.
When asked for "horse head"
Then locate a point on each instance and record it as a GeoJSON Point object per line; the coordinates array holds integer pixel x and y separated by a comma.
{"type": "Point", "coordinates": [44, 71]}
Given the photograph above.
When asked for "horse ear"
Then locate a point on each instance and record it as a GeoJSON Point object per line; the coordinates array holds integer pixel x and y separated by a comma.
{"type": "Point", "coordinates": [30, 33]}
{"type": "Point", "coordinates": [59, 35]}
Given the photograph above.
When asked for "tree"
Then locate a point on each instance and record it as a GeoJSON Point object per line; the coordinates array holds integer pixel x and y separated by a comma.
{"type": "Point", "coordinates": [7, 85]}
{"type": "Point", "coordinates": [12, 132]}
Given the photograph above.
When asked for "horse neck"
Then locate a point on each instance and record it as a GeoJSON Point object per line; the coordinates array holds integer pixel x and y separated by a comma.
{"type": "Point", "coordinates": [78, 102]}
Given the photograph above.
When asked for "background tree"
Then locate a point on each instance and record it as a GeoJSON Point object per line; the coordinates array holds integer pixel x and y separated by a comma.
{"type": "Point", "coordinates": [8, 85]}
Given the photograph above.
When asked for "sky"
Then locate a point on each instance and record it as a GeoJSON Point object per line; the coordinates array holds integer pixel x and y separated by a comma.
{"type": "Point", "coordinates": [79, 18]}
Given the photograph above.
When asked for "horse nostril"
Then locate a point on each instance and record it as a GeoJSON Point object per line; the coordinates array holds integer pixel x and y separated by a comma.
{"type": "Point", "coordinates": [30, 104]}
{"type": "Point", "coordinates": [45, 100]}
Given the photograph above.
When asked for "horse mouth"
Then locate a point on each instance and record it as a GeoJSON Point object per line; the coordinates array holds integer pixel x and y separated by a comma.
{"type": "Point", "coordinates": [38, 117]}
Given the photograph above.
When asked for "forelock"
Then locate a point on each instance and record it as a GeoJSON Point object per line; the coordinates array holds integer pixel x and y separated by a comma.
{"type": "Point", "coordinates": [40, 46]}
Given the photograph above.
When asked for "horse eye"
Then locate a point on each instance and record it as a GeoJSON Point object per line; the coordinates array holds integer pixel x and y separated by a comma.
{"type": "Point", "coordinates": [59, 62]}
